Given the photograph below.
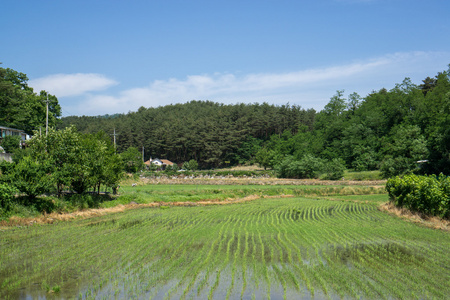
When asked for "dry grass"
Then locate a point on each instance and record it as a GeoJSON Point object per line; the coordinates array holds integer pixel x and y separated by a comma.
{"type": "Point", "coordinates": [415, 217]}
{"type": "Point", "coordinates": [53, 217]}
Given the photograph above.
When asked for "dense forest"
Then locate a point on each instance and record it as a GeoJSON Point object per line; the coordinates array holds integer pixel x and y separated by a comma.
{"type": "Point", "coordinates": [208, 132]}
{"type": "Point", "coordinates": [388, 129]}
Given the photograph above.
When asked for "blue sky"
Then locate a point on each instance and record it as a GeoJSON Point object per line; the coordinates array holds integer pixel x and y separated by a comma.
{"type": "Point", "coordinates": [104, 57]}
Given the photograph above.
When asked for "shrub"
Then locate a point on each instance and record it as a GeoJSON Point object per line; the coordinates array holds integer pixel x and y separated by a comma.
{"type": "Point", "coordinates": [308, 167]}
{"type": "Point", "coordinates": [426, 194]}
{"type": "Point", "coordinates": [32, 177]}
{"type": "Point", "coordinates": [396, 166]}
{"type": "Point", "coordinates": [7, 195]}
{"type": "Point", "coordinates": [334, 169]}
{"type": "Point", "coordinates": [365, 162]}
{"type": "Point", "coordinates": [191, 165]}
{"type": "Point", "coordinates": [11, 143]}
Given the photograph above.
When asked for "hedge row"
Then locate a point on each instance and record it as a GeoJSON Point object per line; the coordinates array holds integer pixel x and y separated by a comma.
{"type": "Point", "coordinates": [425, 194]}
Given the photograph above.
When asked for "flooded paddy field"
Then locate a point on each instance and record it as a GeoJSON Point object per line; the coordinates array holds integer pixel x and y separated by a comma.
{"type": "Point", "coordinates": [273, 248]}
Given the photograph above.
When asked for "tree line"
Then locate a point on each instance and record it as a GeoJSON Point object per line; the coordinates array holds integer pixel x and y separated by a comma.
{"type": "Point", "coordinates": [213, 134]}
{"type": "Point", "coordinates": [390, 130]}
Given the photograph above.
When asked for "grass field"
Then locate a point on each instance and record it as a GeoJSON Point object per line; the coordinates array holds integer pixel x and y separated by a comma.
{"type": "Point", "coordinates": [321, 242]}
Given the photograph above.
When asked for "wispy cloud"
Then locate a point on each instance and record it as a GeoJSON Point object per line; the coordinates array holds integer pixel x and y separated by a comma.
{"type": "Point", "coordinates": [66, 85]}
{"type": "Point", "coordinates": [310, 88]}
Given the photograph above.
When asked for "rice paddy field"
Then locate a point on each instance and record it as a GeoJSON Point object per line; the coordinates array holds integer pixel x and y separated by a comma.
{"type": "Point", "coordinates": [318, 243]}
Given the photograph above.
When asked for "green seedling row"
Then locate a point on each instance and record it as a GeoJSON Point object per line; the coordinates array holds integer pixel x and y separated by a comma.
{"type": "Point", "coordinates": [269, 248]}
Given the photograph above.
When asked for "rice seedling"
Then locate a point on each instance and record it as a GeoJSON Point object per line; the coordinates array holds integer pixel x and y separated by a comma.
{"type": "Point", "coordinates": [308, 246]}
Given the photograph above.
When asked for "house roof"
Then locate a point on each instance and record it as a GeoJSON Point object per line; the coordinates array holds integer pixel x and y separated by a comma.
{"type": "Point", "coordinates": [166, 162]}
{"type": "Point", "coordinates": [163, 161]}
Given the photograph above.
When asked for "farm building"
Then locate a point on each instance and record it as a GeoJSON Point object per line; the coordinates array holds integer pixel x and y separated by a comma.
{"type": "Point", "coordinates": [159, 163]}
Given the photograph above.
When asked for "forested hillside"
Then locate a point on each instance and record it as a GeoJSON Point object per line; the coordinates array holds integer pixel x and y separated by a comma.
{"type": "Point", "coordinates": [388, 129]}
{"type": "Point", "coordinates": [208, 132]}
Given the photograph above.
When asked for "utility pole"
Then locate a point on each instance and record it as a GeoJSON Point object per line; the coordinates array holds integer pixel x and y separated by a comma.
{"type": "Point", "coordinates": [114, 135]}
{"type": "Point", "coordinates": [46, 119]}
{"type": "Point", "coordinates": [143, 159]}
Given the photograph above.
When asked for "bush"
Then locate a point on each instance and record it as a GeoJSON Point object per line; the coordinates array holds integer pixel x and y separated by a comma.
{"type": "Point", "coordinates": [397, 166]}
{"type": "Point", "coordinates": [7, 195]}
{"type": "Point", "coordinates": [365, 162]}
{"type": "Point", "coordinates": [425, 194]}
{"type": "Point", "coordinates": [334, 169]}
{"type": "Point", "coordinates": [191, 165]}
{"type": "Point", "coordinates": [11, 143]}
{"type": "Point", "coordinates": [308, 167]}
{"type": "Point", "coordinates": [32, 177]}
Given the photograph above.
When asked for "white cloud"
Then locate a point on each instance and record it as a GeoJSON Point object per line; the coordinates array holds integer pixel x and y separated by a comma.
{"type": "Point", "coordinates": [66, 85]}
{"type": "Point", "coordinates": [310, 88]}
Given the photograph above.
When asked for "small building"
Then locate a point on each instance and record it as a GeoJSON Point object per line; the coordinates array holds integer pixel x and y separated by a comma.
{"type": "Point", "coordinates": [159, 163]}
{"type": "Point", "coordinates": [7, 131]}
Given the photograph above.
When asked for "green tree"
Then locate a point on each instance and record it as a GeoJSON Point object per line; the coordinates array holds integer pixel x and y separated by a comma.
{"type": "Point", "coordinates": [32, 177]}
{"type": "Point", "coordinates": [79, 162]}
{"type": "Point", "coordinates": [307, 167]}
{"type": "Point", "coordinates": [403, 149]}
{"type": "Point", "coordinates": [191, 165]}
{"type": "Point", "coordinates": [267, 158]}
{"type": "Point", "coordinates": [21, 107]}
{"type": "Point", "coordinates": [334, 169]}
{"type": "Point", "coordinates": [132, 160]}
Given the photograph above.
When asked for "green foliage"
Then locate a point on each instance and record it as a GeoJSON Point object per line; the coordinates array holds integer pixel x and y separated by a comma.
{"type": "Point", "coordinates": [362, 175]}
{"type": "Point", "coordinates": [7, 195]}
{"type": "Point", "coordinates": [191, 165]}
{"type": "Point", "coordinates": [32, 177]}
{"type": "Point", "coordinates": [71, 160]}
{"type": "Point", "coordinates": [388, 129]}
{"type": "Point", "coordinates": [11, 143]}
{"type": "Point", "coordinates": [365, 161]}
{"type": "Point", "coordinates": [426, 194]}
{"type": "Point", "coordinates": [132, 160]}
{"type": "Point", "coordinates": [247, 150]}
{"type": "Point", "coordinates": [21, 107]}
{"type": "Point", "coordinates": [334, 169]}
{"type": "Point", "coordinates": [308, 167]}
{"type": "Point", "coordinates": [171, 169]}
{"type": "Point", "coordinates": [403, 149]}
{"type": "Point", "coordinates": [210, 133]}
{"type": "Point", "coordinates": [267, 158]}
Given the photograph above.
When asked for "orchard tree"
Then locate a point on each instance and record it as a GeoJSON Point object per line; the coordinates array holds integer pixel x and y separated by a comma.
{"type": "Point", "coordinates": [79, 161]}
